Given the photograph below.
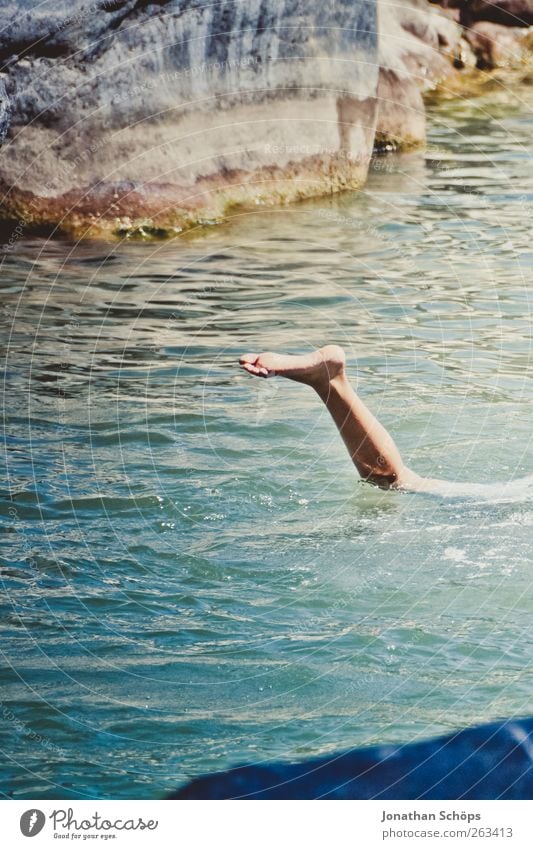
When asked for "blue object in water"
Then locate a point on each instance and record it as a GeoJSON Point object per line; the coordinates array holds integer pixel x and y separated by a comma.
{"type": "Point", "coordinates": [488, 762]}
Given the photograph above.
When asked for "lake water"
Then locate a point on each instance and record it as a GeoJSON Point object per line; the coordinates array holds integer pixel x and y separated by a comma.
{"type": "Point", "coordinates": [193, 576]}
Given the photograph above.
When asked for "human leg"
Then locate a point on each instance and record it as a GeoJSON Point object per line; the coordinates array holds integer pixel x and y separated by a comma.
{"type": "Point", "coordinates": [369, 444]}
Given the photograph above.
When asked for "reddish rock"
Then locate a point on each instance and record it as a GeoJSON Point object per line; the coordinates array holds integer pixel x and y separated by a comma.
{"type": "Point", "coordinates": [416, 45]}
{"type": "Point", "coordinates": [513, 13]}
{"type": "Point", "coordinates": [495, 45]}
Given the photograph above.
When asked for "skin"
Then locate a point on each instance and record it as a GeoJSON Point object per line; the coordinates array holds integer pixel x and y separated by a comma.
{"type": "Point", "coordinates": [369, 444]}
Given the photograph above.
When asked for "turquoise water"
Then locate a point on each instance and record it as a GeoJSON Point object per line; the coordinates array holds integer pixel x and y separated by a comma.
{"type": "Point", "coordinates": [193, 577]}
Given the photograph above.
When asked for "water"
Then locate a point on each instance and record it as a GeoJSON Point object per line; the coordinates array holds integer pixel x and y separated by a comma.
{"type": "Point", "coordinates": [193, 576]}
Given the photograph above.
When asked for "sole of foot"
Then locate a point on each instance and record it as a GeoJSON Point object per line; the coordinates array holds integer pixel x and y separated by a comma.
{"type": "Point", "coordinates": [324, 364]}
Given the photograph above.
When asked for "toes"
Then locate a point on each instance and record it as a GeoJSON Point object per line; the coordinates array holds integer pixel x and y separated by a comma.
{"type": "Point", "coordinates": [250, 362]}
{"type": "Point", "coordinates": [258, 371]}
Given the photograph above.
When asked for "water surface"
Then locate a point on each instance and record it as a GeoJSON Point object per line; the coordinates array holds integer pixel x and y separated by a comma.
{"type": "Point", "coordinates": [193, 577]}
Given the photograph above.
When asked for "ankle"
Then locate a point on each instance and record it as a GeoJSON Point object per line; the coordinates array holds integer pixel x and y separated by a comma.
{"type": "Point", "coordinates": [327, 385]}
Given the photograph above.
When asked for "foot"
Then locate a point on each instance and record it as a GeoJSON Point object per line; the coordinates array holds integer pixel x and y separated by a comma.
{"type": "Point", "coordinates": [317, 368]}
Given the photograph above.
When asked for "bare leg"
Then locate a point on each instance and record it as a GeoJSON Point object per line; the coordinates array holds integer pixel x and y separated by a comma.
{"type": "Point", "coordinates": [370, 446]}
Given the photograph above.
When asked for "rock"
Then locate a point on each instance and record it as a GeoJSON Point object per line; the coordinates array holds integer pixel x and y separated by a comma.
{"type": "Point", "coordinates": [488, 762]}
{"type": "Point", "coordinates": [495, 30]}
{"type": "Point", "coordinates": [144, 116]}
{"type": "Point", "coordinates": [136, 117]}
{"type": "Point", "coordinates": [496, 46]}
{"type": "Point", "coordinates": [464, 40]}
{"type": "Point", "coordinates": [435, 29]}
{"type": "Point", "coordinates": [416, 42]}
{"type": "Point", "coordinates": [4, 111]}
{"type": "Point", "coordinates": [401, 123]}
{"type": "Point", "coordinates": [513, 13]}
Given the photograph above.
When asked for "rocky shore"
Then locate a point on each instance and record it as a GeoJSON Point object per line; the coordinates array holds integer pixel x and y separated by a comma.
{"type": "Point", "coordinates": [124, 117]}
{"type": "Point", "coordinates": [439, 50]}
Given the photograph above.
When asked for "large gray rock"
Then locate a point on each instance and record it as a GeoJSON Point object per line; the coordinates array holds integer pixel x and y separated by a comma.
{"type": "Point", "coordinates": [162, 114]}
{"type": "Point", "coordinates": [489, 762]}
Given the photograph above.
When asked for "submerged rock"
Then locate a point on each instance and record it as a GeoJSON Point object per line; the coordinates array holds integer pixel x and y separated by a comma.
{"type": "Point", "coordinates": [488, 762]}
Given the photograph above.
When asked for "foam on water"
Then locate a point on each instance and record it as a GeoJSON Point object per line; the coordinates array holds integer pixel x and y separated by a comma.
{"type": "Point", "coordinates": [501, 492]}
